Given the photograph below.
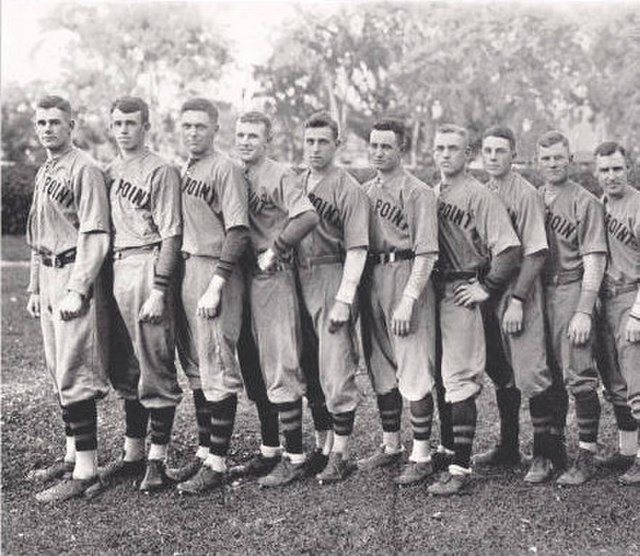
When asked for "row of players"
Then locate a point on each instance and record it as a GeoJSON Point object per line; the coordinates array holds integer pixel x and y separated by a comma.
{"type": "Point", "coordinates": [447, 282]}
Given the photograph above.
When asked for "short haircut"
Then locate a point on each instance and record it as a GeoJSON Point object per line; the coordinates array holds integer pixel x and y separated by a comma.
{"type": "Point", "coordinates": [502, 132]}
{"type": "Point", "coordinates": [551, 138]}
{"type": "Point", "coordinates": [200, 104]}
{"type": "Point", "coordinates": [128, 105]}
{"type": "Point", "coordinates": [456, 129]}
{"type": "Point", "coordinates": [256, 117]}
{"type": "Point", "coordinates": [54, 101]}
{"type": "Point", "coordinates": [322, 119]}
{"type": "Point", "coordinates": [610, 147]}
{"type": "Point", "coordinates": [395, 125]}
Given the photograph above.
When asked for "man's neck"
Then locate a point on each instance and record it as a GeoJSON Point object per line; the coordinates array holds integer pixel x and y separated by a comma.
{"type": "Point", "coordinates": [388, 175]}
{"type": "Point", "coordinates": [133, 153]}
{"type": "Point", "coordinates": [453, 180]}
{"type": "Point", "coordinates": [250, 164]}
{"type": "Point", "coordinates": [319, 173]}
{"type": "Point", "coordinates": [558, 185]}
{"type": "Point", "coordinates": [201, 155]}
{"type": "Point", "coordinates": [52, 154]}
{"type": "Point", "coordinates": [503, 178]}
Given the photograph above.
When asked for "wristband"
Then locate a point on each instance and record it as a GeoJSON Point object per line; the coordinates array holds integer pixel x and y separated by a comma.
{"type": "Point", "coordinates": [634, 317]}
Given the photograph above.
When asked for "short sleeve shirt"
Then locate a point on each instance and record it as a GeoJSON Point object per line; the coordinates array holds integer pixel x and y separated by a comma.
{"type": "Point", "coordinates": [145, 200]}
{"type": "Point", "coordinates": [622, 220]}
{"type": "Point", "coordinates": [214, 199]}
{"type": "Point", "coordinates": [403, 214]}
{"type": "Point", "coordinates": [474, 226]}
{"type": "Point", "coordinates": [343, 210]}
{"type": "Point", "coordinates": [70, 197]}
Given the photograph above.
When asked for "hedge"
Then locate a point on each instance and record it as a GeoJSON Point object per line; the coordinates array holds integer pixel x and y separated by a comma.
{"type": "Point", "coordinates": [17, 191]}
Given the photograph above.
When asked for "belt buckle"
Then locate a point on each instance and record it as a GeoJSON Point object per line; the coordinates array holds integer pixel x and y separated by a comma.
{"type": "Point", "coordinates": [57, 262]}
{"type": "Point", "coordinates": [392, 257]}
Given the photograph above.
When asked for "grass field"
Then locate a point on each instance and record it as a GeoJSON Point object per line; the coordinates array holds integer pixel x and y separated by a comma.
{"type": "Point", "coordinates": [366, 514]}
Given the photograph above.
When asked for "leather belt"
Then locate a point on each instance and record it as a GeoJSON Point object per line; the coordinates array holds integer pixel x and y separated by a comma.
{"type": "Point", "coordinates": [186, 256]}
{"type": "Point", "coordinates": [130, 251]}
{"type": "Point", "coordinates": [278, 266]}
{"type": "Point", "coordinates": [561, 278]}
{"type": "Point", "coordinates": [321, 259]}
{"type": "Point", "coordinates": [58, 261]}
{"type": "Point", "coordinates": [452, 275]}
{"type": "Point", "coordinates": [391, 257]}
{"type": "Point", "coordinates": [612, 290]}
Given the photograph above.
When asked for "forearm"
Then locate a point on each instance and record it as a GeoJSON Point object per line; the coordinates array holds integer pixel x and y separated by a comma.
{"type": "Point", "coordinates": [235, 242]}
{"type": "Point", "coordinates": [351, 274]}
{"type": "Point", "coordinates": [531, 267]}
{"type": "Point", "coordinates": [91, 250]}
{"type": "Point", "coordinates": [594, 267]}
{"type": "Point", "coordinates": [295, 230]}
{"type": "Point", "coordinates": [34, 274]}
{"type": "Point", "coordinates": [503, 266]}
{"type": "Point", "coordinates": [167, 262]}
{"type": "Point", "coordinates": [420, 272]}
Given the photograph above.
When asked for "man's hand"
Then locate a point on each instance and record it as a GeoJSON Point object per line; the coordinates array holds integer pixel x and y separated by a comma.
{"type": "Point", "coordinates": [152, 310]}
{"type": "Point", "coordinates": [33, 305]}
{"type": "Point", "coordinates": [266, 260]}
{"type": "Point", "coordinates": [579, 329]}
{"type": "Point", "coordinates": [469, 294]}
{"type": "Point", "coordinates": [401, 319]}
{"type": "Point", "coordinates": [632, 331]}
{"type": "Point", "coordinates": [209, 303]}
{"type": "Point", "coordinates": [338, 316]}
{"type": "Point", "coordinates": [71, 306]}
{"type": "Point", "coordinates": [512, 321]}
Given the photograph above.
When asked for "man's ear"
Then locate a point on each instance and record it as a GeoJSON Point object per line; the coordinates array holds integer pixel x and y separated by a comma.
{"type": "Point", "coordinates": [72, 124]}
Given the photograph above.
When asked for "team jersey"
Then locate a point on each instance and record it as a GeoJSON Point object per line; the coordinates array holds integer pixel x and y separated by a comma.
{"type": "Point", "coordinates": [145, 200]}
{"type": "Point", "coordinates": [473, 225]}
{"type": "Point", "coordinates": [575, 227]}
{"type": "Point", "coordinates": [343, 209]}
{"type": "Point", "coordinates": [276, 194]}
{"type": "Point", "coordinates": [214, 199]}
{"type": "Point", "coordinates": [525, 209]}
{"type": "Point", "coordinates": [403, 214]}
{"type": "Point", "coordinates": [70, 197]}
{"type": "Point", "coordinates": [622, 220]}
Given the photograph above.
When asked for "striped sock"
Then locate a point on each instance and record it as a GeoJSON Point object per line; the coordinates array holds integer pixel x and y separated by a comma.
{"type": "Point", "coordinates": [290, 414]}
{"type": "Point", "coordinates": [390, 407]}
{"type": "Point", "coordinates": [321, 417]}
{"type": "Point", "coordinates": [444, 414]}
{"type": "Point", "coordinates": [269, 426]}
{"type": "Point", "coordinates": [343, 423]}
{"type": "Point", "coordinates": [83, 420]}
{"type": "Point", "coordinates": [463, 416]}
{"type": "Point", "coordinates": [203, 418]}
{"type": "Point", "coordinates": [588, 416]}
{"type": "Point", "coordinates": [541, 416]}
{"type": "Point", "coordinates": [421, 413]}
{"type": "Point", "coordinates": [161, 420]}
{"type": "Point", "coordinates": [136, 418]}
{"type": "Point", "coordinates": [223, 415]}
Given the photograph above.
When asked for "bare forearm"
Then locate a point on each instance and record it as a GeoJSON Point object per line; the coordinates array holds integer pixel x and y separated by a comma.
{"type": "Point", "coordinates": [34, 274]}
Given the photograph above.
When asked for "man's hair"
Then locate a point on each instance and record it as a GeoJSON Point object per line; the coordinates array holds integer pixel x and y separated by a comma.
{"type": "Point", "coordinates": [200, 104]}
{"type": "Point", "coordinates": [54, 101]}
{"type": "Point", "coordinates": [502, 132]}
{"type": "Point", "coordinates": [128, 105]}
{"type": "Point", "coordinates": [322, 119]}
{"type": "Point", "coordinates": [610, 147]}
{"type": "Point", "coordinates": [551, 138]}
{"type": "Point", "coordinates": [256, 117]}
{"type": "Point", "coordinates": [395, 125]}
{"type": "Point", "coordinates": [456, 129]}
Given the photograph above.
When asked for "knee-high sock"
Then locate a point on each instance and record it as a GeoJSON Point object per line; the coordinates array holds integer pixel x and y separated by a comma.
{"type": "Point", "coordinates": [463, 416]}
{"type": "Point", "coordinates": [137, 418]}
{"type": "Point", "coordinates": [509, 410]}
{"type": "Point", "coordinates": [161, 420]}
{"type": "Point", "coordinates": [541, 416]}
{"type": "Point", "coordinates": [588, 416]}
{"type": "Point", "coordinates": [444, 414]}
{"type": "Point", "coordinates": [290, 415]}
{"type": "Point", "coordinates": [269, 427]}
{"type": "Point", "coordinates": [343, 423]}
{"type": "Point", "coordinates": [203, 418]}
{"type": "Point", "coordinates": [223, 414]}
{"type": "Point", "coordinates": [390, 408]}
{"type": "Point", "coordinates": [83, 421]}
{"type": "Point", "coordinates": [421, 413]}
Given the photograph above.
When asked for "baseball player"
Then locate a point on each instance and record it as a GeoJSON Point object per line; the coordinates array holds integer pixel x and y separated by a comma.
{"type": "Point", "coordinates": [68, 232]}
{"type": "Point", "coordinates": [147, 228]}
{"type": "Point", "coordinates": [216, 232]}
{"type": "Point", "coordinates": [620, 296]}
{"type": "Point", "coordinates": [330, 262]}
{"type": "Point", "coordinates": [514, 322]}
{"type": "Point", "coordinates": [398, 302]}
{"type": "Point", "coordinates": [280, 216]}
{"type": "Point", "coordinates": [571, 276]}
{"type": "Point", "coordinates": [479, 254]}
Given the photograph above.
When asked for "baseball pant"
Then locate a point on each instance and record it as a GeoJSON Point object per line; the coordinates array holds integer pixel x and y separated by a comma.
{"type": "Point", "coordinates": [207, 347]}
{"type": "Point", "coordinates": [153, 378]}
{"type": "Point", "coordinates": [76, 351]}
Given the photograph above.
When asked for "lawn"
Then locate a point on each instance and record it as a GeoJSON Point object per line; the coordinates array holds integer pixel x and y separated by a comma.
{"type": "Point", "coordinates": [366, 514]}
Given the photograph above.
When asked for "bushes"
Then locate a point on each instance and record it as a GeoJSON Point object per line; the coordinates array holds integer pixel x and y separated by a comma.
{"type": "Point", "coordinates": [17, 191]}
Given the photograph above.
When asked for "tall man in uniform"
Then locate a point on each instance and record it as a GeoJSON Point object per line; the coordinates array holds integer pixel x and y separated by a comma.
{"type": "Point", "coordinates": [280, 216]}
{"type": "Point", "coordinates": [216, 232]}
{"type": "Point", "coordinates": [330, 263]}
{"type": "Point", "coordinates": [68, 232]}
{"type": "Point", "coordinates": [514, 322]}
{"type": "Point", "coordinates": [479, 254]}
{"type": "Point", "coordinates": [147, 228]}
{"type": "Point", "coordinates": [571, 276]}
{"type": "Point", "coordinates": [620, 295]}
{"type": "Point", "coordinates": [399, 302]}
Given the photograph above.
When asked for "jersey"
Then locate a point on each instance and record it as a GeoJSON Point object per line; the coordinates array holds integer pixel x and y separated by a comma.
{"type": "Point", "coordinates": [622, 219]}
{"type": "Point", "coordinates": [214, 199]}
{"type": "Point", "coordinates": [70, 197]}
{"type": "Point", "coordinates": [575, 227]}
{"type": "Point", "coordinates": [343, 209]}
{"type": "Point", "coordinates": [403, 214]}
{"type": "Point", "coordinates": [145, 200]}
{"type": "Point", "coordinates": [474, 226]}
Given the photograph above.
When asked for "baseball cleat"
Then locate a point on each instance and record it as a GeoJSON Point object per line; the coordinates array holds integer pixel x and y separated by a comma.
{"type": "Point", "coordinates": [58, 469]}
{"type": "Point", "coordinates": [258, 466]}
{"type": "Point", "coordinates": [632, 476]}
{"type": "Point", "coordinates": [121, 469]}
{"type": "Point", "coordinates": [414, 473]}
{"type": "Point", "coordinates": [181, 474]}
{"type": "Point", "coordinates": [282, 474]}
{"type": "Point", "coordinates": [541, 471]}
{"type": "Point", "coordinates": [336, 470]}
{"type": "Point", "coordinates": [448, 484]}
{"type": "Point", "coordinates": [581, 471]}
{"type": "Point", "coordinates": [380, 458]}
{"type": "Point", "coordinates": [615, 462]}
{"type": "Point", "coordinates": [315, 463]}
{"type": "Point", "coordinates": [204, 480]}
{"type": "Point", "coordinates": [70, 488]}
{"type": "Point", "coordinates": [498, 456]}
{"type": "Point", "coordinates": [155, 477]}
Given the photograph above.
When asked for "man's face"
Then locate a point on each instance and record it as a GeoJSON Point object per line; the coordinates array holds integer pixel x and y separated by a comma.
{"type": "Point", "coordinates": [128, 130]}
{"type": "Point", "coordinates": [53, 128]}
{"type": "Point", "coordinates": [251, 141]}
{"type": "Point", "coordinates": [319, 147]}
{"type": "Point", "coordinates": [612, 174]}
{"type": "Point", "coordinates": [554, 163]}
{"type": "Point", "coordinates": [198, 131]}
{"type": "Point", "coordinates": [497, 156]}
{"type": "Point", "coordinates": [384, 151]}
{"type": "Point", "coordinates": [450, 153]}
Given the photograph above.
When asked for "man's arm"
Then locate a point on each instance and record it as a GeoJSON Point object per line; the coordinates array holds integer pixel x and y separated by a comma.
{"type": "Point", "coordinates": [579, 328]}
{"type": "Point", "coordinates": [354, 263]}
{"type": "Point", "coordinates": [33, 304]}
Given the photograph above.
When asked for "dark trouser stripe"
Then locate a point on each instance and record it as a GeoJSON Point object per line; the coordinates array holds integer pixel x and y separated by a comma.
{"type": "Point", "coordinates": [291, 423]}
{"type": "Point", "coordinates": [203, 417]}
{"type": "Point", "coordinates": [624, 419]}
{"type": "Point", "coordinates": [587, 415]}
{"type": "Point", "coordinates": [509, 409]}
{"type": "Point", "coordinates": [343, 423]}
{"type": "Point", "coordinates": [390, 407]}
{"type": "Point", "coordinates": [83, 423]}
{"type": "Point", "coordinates": [321, 417]}
{"type": "Point", "coordinates": [540, 410]}
{"type": "Point", "coordinates": [269, 426]}
{"type": "Point", "coordinates": [223, 415]}
{"type": "Point", "coordinates": [161, 424]}
{"type": "Point", "coordinates": [421, 413]}
{"type": "Point", "coordinates": [464, 416]}
{"type": "Point", "coordinates": [137, 418]}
